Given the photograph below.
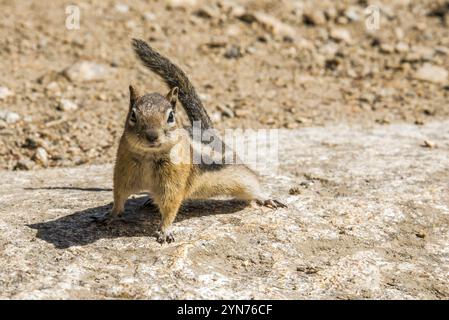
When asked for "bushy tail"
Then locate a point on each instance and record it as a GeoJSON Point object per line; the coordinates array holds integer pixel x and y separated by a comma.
{"type": "Point", "coordinates": [173, 77]}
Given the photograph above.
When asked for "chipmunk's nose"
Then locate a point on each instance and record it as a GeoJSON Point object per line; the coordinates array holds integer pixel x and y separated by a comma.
{"type": "Point", "coordinates": [151, 135]}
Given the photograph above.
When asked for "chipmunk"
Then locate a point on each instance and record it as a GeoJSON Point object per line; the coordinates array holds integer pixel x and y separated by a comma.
{"type": "Point", "coordinates": [144, 162]}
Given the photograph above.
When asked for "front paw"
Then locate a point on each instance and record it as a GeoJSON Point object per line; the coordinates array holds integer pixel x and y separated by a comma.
{"type": "Point", "coordinates": [164, 236]}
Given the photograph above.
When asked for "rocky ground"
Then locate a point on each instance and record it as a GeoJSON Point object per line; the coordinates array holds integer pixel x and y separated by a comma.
{"type": "Point", "coordinates": [367, 217]}
{"type": "Point", "coordinates": [288, 64]}
{"type": "Point", "coordinates": [363, 152]}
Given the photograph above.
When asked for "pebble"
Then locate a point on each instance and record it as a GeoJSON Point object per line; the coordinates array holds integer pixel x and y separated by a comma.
{"type": "Point", "coordinates": [352, 14]}
{"type": "Point", "coordinates": [233, 52]}
{"type": "Point", "coordinates": [67, 105]}
{"type": "Point", "coordinates": [149, 16]}
{"type": "Point", "coordinates": [431, 73]}
{"type": "Point", "coordinates": [83, 71]}
{"type": "Point", "coordinates": [121, 7]}
{"type": "Point", "coordinates": [225, 110]}
{"type": "Point", "coordinates": [315, 18]}
{"type": "Point", "coordinates": [24, 164]}
{"type": "Point", "coordinates": [442, 50]}
{"type": "Point", "coordinates": [215, 116]}
{"type": "Point", "coordinates": [386, 48]}
{"type": "Point", "coordinates": [233, 30]}
{"type": "Point", "coordinates": [237, 10]}
{"type": "Point", "coordinates": [340, 34]}
{"type": "Point", "coordinates": [424, 53]}
{"type": "Point", "coordinates": [241, 113]}
{"type": "Point", "coordinates": [5, 93]}
{"type": "Point", "coordinates": [41, 156]}
{"type": "Point", "coordinates": [428, 144]}
{"type": "Point", "coordinates": [330, 49]}
{"type": "Point", "coordinates": [182, 3]}
{"type": "Point", "coordinates": [208, 12]}
{"type": "Point", "coordinates": [271, 24]}
{"type": "Point", "coordinates": [402, 47]}
{"type": "Point", "coordinates": [9, 116]}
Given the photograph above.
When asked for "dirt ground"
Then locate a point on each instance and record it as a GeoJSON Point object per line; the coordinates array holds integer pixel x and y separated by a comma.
{"type": "Point", "coordinates": [298, 64]}
{"type": "Point", "coordinates": [364, 149]}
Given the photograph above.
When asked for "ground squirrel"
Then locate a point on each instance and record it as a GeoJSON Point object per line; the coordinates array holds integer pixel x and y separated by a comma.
{"type": "Point", "coordinates": [144, 160]}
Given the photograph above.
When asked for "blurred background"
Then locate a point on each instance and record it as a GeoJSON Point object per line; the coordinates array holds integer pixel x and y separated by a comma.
{"type": "Point", "coordinates": [65, 67]}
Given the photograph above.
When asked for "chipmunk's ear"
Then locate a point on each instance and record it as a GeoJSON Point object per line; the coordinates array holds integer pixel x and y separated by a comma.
{"type": "Point", "coordinates": [133, 96]}
{"type": "Point", "coordinates": [172, 96]}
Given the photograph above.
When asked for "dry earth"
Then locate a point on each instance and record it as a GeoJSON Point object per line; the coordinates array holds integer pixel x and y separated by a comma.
{"type": "Point", "coordinates": [368, 217]}
{"type": "Point", "coordinates": [258, 63]}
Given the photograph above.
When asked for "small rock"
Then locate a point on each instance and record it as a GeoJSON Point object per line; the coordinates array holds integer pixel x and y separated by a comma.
{"type": "Point", "coordinates": [41, 156]}
{"type": "Point", "coordinates": [24, 164]}
{"type": "Point", "coordinates": [226, 110]}
{"type": "Point", "coordinates": [215, 116]}
{"type": "Point", "coordinates": [315, 18]}
{"type": "Point", "coordinates": [307, 269]}
{"type": "Point", "coordinates": [271, 24]}
{"type": "Point", "coordinates": [149, 16]}
{"type": "Point", "coordinates": [421, 235]}
{"type": "Point", "coordinates": [53, 89]}
{"type": "Point", "coordinates": [442, 50]}
{"type": "Point", "coordinates": [419, 122]}
{"type": "Point", "coordinates": [368, 97]}
{"type": "Point", "coordinates": [429, 144]}
{"type": "Point", "coordinates": [331, 13]}
{"type": "Point", "coordinates": [67, 105]}
{"type": "Point", "coordinates": [182, 3]}
{"type": "Point", "coordinates": [383, 121]}
{"type": "Point", "coordinates": [399, 33]}
{"type": "Point", "coordinates": [241, 113]}
{"type": "Point", "coordinates": [352, 14]}
{"type": "Point", "coordinates": [423, 53]}
{"type": "Point", "coordinates": [121, 7]}
{"type": "Point", "coordinates": [207, 12]}
{"type": "Point", "coordinates": [237, 10]}
{"type": "Point", "coordinates": [388, 11]}
{"type": "Point", "coordinates": [30, 143]}
{"type": "Point", "coordinates": [340, 34]}
{"type": "Point", "coordinates": [87, 71]}
{"type": "Point", "coordinates": [5, 93]}
{"type": "Point", "coordinates": [402, 47]}
{"type": "Point", "coordinates": [250, 50]}
{"type": "Point", "coordinates": [216, 42]}
{"type": "Point", "coordinates": [330, 49]}
{"type": "Point", "coordinates": [9, 116]}
{"type": "Point", "coordinates": [233, 30]}
{"type": "Point", "coordinates": [101, 97]}
{"type": "Point", "coordinates": [131, 24]}
{"type": "Point", "coordinates": [302, 120]}
{"type": "Point", "coordinates": [268, 120]}
{"type": "Point", "coordinates": [432, 73]}
{"type": "Point", "coordinates": [386, 48]}
{"type": "Point", "coordinates": [233, 52]}
{"type": "Point", "coordinates": [294, 191]}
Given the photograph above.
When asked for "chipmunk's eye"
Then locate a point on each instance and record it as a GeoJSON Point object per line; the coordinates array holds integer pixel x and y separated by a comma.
{"type": "Point", "coordinates": [171, 117]}
{"type": "Point", "coordinates": [133, 117]}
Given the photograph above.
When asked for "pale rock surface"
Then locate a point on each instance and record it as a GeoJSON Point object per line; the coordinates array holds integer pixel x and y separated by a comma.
{"type": "Point", "coordinates": [369, 219]}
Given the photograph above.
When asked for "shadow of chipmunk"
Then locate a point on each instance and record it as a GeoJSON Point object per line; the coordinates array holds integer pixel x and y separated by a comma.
{"type": "Point", "coordinates": [80, 229]}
